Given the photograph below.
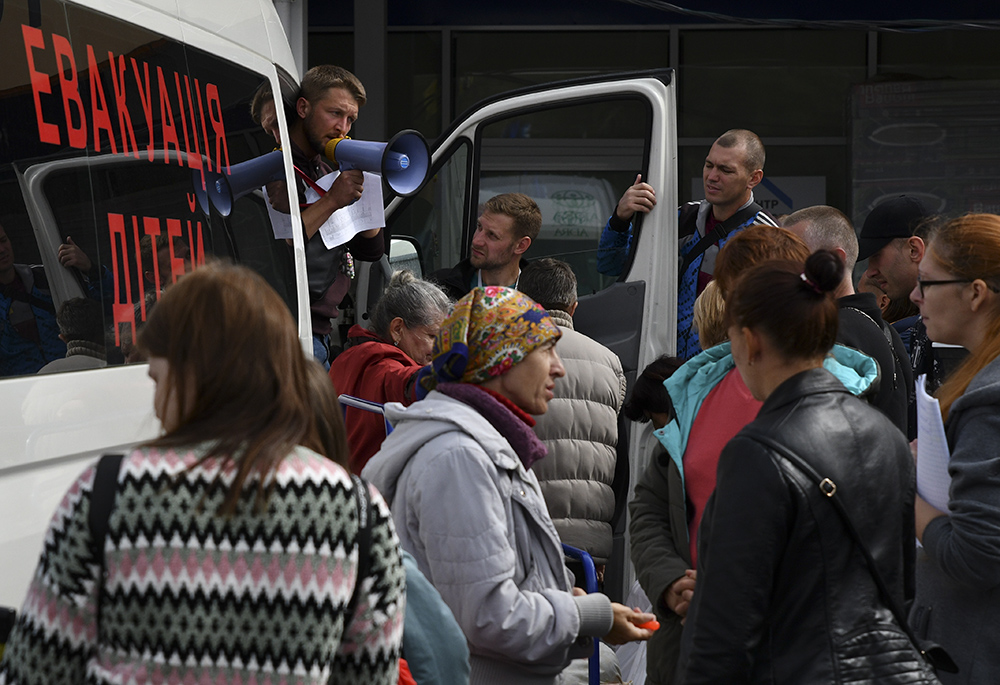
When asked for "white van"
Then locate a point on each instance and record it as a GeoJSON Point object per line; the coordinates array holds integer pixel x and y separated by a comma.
{"type": "Point", "coordinates": [110, 111]}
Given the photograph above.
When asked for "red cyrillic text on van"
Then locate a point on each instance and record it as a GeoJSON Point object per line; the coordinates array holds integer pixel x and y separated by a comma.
{"type": "Point", "coordinates": [112, 117]}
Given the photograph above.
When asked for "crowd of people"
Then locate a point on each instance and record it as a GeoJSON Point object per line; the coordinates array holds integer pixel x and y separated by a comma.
{"type": "Point", "coordinates": [774, 532]}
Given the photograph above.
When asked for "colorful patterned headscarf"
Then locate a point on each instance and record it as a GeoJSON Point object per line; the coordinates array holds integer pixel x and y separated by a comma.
{"type": "Point", "coordinates": [489, 331]}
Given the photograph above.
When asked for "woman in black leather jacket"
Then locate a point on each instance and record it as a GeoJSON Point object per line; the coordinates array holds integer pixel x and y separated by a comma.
{"type": "Point", "coordinates": [784, 595]}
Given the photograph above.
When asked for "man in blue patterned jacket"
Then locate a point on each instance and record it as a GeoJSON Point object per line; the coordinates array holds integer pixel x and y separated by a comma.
{"type": "Point", "coordinates": [734, 165]}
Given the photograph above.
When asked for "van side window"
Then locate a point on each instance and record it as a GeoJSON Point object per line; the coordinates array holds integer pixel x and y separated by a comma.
{"type": "Point", "coordinates": [433, 217]}
{"type": "Point", "coordinates": [574, 162]}
{"type": "Point", "coordinates": [105, 188]}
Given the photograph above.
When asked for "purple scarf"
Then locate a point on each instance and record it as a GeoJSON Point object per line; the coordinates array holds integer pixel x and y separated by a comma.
{"type": "Point", "coordinates": [526, 444]}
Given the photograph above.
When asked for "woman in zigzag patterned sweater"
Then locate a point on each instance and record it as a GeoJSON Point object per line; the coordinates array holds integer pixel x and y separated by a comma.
{"type": "Point", "coordinates": [232, 551]}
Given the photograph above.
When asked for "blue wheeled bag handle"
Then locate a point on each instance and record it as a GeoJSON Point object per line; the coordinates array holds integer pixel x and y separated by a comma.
{"type": "Point", "coordinates": [590, 581]}
{"type": "Point", "coordinates": [365, 405]}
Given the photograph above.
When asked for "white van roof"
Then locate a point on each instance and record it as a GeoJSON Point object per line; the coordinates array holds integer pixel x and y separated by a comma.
{"type": "Point", "coordinates": [216, 26]}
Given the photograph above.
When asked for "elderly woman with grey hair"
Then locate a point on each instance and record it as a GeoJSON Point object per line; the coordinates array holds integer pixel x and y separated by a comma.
{"type": "Point", "coordinates": [381, 364]}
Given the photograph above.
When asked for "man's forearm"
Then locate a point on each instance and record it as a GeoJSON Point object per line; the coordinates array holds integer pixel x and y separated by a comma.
{"type": "Point", "coordinates": [317, 214]}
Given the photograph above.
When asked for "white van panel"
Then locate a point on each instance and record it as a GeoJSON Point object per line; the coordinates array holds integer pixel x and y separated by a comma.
{"type": "Point", "coordinates": [228, 28]}
{"type": "Point", "coordinates": [51, 427]}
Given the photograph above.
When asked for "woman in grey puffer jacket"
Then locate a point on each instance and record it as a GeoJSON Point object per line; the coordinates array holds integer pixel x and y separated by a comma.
{"type": "Point", "coordinates": [456, 472]}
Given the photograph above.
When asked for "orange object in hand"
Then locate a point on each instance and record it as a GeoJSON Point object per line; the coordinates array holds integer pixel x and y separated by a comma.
{"type": "Point", "coordinates": [650, 625]}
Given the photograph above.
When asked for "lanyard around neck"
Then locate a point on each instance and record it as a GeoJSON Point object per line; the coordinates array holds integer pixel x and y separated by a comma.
{"type": "Point", "coordinates": [479, 278]}
{"type": "Point", "coordinates": [311, 183]}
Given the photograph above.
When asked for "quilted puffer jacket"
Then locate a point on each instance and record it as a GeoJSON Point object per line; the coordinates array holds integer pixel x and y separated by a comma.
{"type": "Point", "coordinates": [580, 430]}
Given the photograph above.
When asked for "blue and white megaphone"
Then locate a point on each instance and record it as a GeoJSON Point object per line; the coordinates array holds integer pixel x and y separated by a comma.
{"type": "Point", "coordinates": [223, 190]}
{"type": "Point", "coordinates": [403, 161]}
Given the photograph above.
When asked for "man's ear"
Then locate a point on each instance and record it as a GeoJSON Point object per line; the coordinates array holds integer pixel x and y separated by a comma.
{"type": "Point", "coordinates": [841, 253]}
{"type": "Point", "coordinates": [916, 247]}
{"type": "Point", "coordinates": [755, 178]}
{"type": "Point", "coordinates": [883, 301]}
{"type": "Point", "coordinates": [572, 308]}
{"type": "Point", "coordinates": [302, 107]}
{"type": "Point", "coordinates": [522, 245]}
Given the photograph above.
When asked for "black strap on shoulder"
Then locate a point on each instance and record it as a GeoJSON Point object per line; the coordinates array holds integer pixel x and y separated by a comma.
{"type": "Point", "coordinates": [364, 540]}
{"type": "Point", "coordinates": [687, 213]}
{"type": "Point", "coordinates": [102, 501]}
{"type": "Point", "coordinates": [721, 230]}
{"type": "Point", "coordinates": [935, 655]}
{"type": "Point", "coordinates": [39, 281]}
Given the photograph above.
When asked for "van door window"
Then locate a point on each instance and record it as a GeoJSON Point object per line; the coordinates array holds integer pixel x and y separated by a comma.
{"type": "Point", "coordinates": [433, 217]}
{"type": "Point", "coordinates": [575, 162]}
{"type": "Point", "coordinates": [109, 132]}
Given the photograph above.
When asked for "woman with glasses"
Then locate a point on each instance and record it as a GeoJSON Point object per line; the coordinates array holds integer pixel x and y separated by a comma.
{"type": "Point", "coordinates": [958, 567]}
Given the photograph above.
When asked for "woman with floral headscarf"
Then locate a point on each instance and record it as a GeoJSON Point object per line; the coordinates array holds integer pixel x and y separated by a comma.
{"type": "Point", "coordinates": [456, 471]}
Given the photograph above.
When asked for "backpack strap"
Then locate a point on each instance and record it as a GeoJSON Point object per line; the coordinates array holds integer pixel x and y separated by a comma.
{"type": "Point", "coordinates": [721, 230]}
{"type": "Point", "coordinates": [31, 278]}
{"type": "Point", "coordinates": [364, 540]}
{"type": "Point", "coordinates": [102, 501]}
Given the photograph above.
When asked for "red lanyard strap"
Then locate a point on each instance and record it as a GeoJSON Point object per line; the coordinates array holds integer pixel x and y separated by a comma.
{"type": "Point", "coordinates": [311, 183]}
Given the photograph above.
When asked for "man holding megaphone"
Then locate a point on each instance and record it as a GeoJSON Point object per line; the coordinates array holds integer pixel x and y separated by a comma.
{"type": "Point", "coordinates": [326, 109]}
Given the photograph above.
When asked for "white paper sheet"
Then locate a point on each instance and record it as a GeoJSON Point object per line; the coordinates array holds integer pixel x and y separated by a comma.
{"type": "Point", "coordinates": [933, 455]}
{"type": "Point", "coordinates": [281, 223]}
{"type": "Point", "coordinates": [363, 215]}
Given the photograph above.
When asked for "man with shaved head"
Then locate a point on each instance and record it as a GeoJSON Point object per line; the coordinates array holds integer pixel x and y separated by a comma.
{"type": "Point", "coordinates": [733, 168]}
{"type": "Point", "coordinates": [861, 325]}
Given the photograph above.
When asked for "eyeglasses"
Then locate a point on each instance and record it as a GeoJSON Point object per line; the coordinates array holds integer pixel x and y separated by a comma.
{"type": "Point", "coordinates": [923, 284]}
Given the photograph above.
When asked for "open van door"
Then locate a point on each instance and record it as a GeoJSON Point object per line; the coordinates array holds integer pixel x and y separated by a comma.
{"type": "Point", "coordinates": [573, 147]}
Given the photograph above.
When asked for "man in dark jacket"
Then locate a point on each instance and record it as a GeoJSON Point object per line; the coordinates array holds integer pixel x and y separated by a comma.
{"type": "Point", "coordinates": [861, 324]}
{"type": "Point", "coordinates": [893, 240]}
{"type": "Point", "coordinates": [504, 232]}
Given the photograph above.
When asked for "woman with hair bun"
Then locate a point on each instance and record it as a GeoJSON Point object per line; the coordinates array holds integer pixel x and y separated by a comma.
{"type": "Point", "coordinates": [381, 364]}
{"type": "Point", "coordinates": [784, 594]}
{"type": "Point", "coordinates": [958, 567]}
{"type": "Point", "coordinates": [710, 405]}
